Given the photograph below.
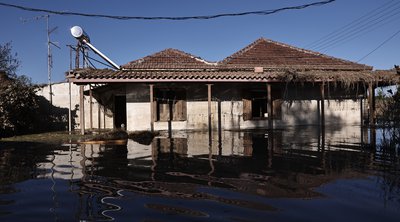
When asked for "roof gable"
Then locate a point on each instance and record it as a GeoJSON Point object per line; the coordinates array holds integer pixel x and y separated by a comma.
{"type": "Point", "coordinates": [169, 59]}
{"type": "Point", "coordinates": [271, 54]}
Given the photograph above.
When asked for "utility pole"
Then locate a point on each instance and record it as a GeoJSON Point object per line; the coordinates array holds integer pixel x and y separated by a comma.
{"type": "Point", "coordinates": [49, 54]}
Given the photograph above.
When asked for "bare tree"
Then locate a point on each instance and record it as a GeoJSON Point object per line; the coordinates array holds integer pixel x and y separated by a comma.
{"type": "Point", "coordinates": [8, 61]}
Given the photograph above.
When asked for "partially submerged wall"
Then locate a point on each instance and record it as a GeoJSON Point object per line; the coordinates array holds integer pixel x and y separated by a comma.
{"type": "Point", "coordinates": [299, 107]}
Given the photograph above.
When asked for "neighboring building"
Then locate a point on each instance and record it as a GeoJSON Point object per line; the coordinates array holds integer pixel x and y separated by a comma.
{"type": "Point", "coordinates": [266, 84]}
{"type": "Point", "coordinates": [101, 118]}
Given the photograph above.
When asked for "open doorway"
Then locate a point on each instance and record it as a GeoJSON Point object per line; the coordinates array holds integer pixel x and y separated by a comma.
{"type": "Point", "coordinates": [119, 111]}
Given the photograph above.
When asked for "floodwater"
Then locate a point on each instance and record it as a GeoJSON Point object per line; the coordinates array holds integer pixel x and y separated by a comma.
{"type": "Point", "coordinates": [295, 174]}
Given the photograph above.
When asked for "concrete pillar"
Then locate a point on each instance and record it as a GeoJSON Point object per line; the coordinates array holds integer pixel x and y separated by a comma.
{"type": "Point", "coordinates": [69, 109]}
{"type": "Point", "coordinates": [90, 107]}
{"type": "Point", "coordinates": [209, 114]}
{"type": "Point", "coordinates": [269, 107]}
{"type": "Point", "coordinates": [151, 107]}
{"type": "Point", "coordinates": [322, 124]}
{"type": "Point", "coordinates": [219, 126]}
{"type": "Point", "coordinates": [371, 100]}
{"type": "Point", "coordinates": [98, 116]}
{"type": "Point", "coordinates": [322, 88]}
{"type": "Point", "coordinates": [82, 109]}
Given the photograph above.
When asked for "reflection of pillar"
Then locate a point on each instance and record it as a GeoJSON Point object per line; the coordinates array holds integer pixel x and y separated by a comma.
{"type": "Point", "coordinates": [83, 162]}
{"type": "Point", "coordinates": [151, 107]}
{"type": "Point", "coordinates": [373, 137]}
{"type": "Point", "coordinates": [82, 109]}
{"type": "Point", "coordinates": [212, 168]}
{"type": "Point", "coordinates": [270, 147]}
{"type": "Point", "coordinates": [269, 106]}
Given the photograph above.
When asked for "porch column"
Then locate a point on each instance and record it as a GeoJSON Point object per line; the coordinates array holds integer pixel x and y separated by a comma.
{"type": "Point", "coordinates": [372, 115]}
{"type": "Point", "coordinates": [371, 100]}
{"type": "Point", "coordinates": [98, 116]}
{"type": "Point", "coordinates": [219, 125]}
{"type": "Point", "coordinates": [322, 88]}
{"type": "Point", "coordinates": [209, 115]}
{"type": "Point", "coordinates": [90, 107]}
{"type": "Point", "coordinates": [151, 107]}
{"type": "Point", "coordinates": [269, 107]}
{"type": "Point", "coordinates": [69, 110]}
{"type": "Point", "coordinates": [322, 123]}
{"type": "Point", "coordinates": [82, 109]}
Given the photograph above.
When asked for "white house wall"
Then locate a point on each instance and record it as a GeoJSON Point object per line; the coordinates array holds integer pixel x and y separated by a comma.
{"type": "Point", "coordinates": [294, 113]}
{"type": "Point", "coordinates": [297, 113]}
{"type": "Point", "coordinates": [61, 99]}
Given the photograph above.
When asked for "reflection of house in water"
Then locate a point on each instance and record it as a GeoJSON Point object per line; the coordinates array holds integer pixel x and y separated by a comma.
{"type": "Point", "coordinates": [272, 164]}
{"type": "Point", "coordinates": [264, 84]}
{"type": "Point", "coordinates": [242, 155]}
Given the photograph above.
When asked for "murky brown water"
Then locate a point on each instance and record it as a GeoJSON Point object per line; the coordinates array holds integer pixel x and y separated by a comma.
{"type": "Point", "coordinates": [285, 175]}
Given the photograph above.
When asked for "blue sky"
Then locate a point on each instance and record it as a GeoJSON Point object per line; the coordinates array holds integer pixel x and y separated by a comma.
{"type": "Point", "coordinates": [213, 40]}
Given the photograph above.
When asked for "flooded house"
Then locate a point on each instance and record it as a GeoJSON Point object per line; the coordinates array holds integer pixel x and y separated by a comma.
{"type": "Point", "coordinates": [267, 84]}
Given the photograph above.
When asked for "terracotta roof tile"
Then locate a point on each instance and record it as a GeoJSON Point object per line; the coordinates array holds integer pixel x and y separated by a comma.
{"type": "Point", "coordinates": [278, 62]}
{"type": "Point", "coordinates": [268, 53]}
{"type": "Point", "coordinates": [169, 59]}
{"type": "Point", "coordinates": [107, 75]}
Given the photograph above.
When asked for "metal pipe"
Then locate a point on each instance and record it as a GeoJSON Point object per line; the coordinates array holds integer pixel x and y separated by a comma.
{"type": "Point", "coordinates": [101, 54]}
{"type": "Point", "coordinates": [78, 33]}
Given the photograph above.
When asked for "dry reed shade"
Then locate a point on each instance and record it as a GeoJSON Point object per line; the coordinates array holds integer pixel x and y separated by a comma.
{"type": "Point", "coordinates": [345, 78]}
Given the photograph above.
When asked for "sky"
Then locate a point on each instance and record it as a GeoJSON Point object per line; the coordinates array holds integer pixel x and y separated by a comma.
{"type": "Point", "coordinates": [213, 40]}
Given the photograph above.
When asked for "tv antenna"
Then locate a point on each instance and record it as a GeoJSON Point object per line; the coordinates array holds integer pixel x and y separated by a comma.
{"type": "Point", "coordinates": [49, 44]}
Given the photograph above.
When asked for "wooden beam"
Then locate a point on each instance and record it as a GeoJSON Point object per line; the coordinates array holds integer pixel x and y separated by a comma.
{"type": "Point", "coordinates": [90, 107]}
{"type": "Point", "coordinates": [98, 116]}
{"type": "Point", "coordinates": [69, 109]}
{"type": "Point", "coordinates": [151, 107]}
{"type": "Point", "coordinates": [82, 109]}
{"type": "Point", "coordinates": [219, 126]}
{"type": "Point", "coordinates": [322, 88]}
{"type": "Point", "coordinates": [269, 107]}
{"type": "Point", "coordinates": [209, 106]}
{"type": "Point", "coordinates": [209, 93]}
{"type": "Point", "coordinates": [371, 100]}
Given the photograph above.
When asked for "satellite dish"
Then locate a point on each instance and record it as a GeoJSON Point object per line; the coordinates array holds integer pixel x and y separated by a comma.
{"type": "Point", "coordinates": [78, 33]}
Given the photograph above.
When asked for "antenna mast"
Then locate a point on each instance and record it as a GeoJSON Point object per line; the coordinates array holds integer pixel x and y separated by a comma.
{"type": "Point", "coordinates": [49, 54]}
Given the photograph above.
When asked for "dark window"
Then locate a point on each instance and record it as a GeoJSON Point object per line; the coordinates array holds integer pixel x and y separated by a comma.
{"type": "Point", "coordinates": [258, 105]}
{"type": "Point", "coordinates": [255, 105]}
{"type": "Point", "coordinates": [170, 104]}
{"type": "Point", "coordinates": [120, 111]}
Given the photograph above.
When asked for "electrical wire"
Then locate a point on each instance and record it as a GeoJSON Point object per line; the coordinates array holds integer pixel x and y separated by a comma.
{"type": "Point", "coordinates": [368, 15]}
{"type": "Point", "coordinates": [119, 17]}
{"type": "Point", "coordinates": [361, 30]}
{"type": "Point", "coordinates": [380, 45]}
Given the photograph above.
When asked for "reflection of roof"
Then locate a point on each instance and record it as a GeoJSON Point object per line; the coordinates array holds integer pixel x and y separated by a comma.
{"type": "Point", "coordinates": [263, 60]}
